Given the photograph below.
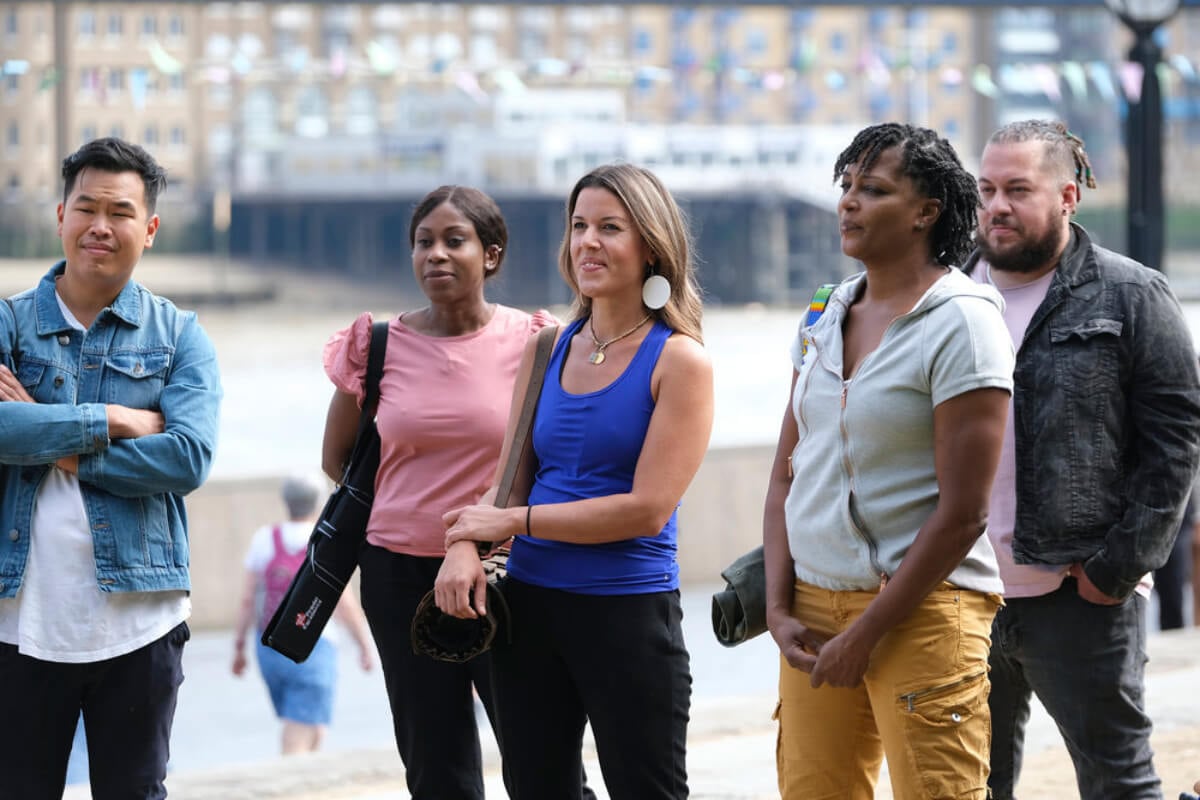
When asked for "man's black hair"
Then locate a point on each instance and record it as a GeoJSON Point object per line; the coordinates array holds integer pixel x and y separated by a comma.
{"type": "Point", "coordinates": [933, 166]}
{"type": "Point", "coordinates": [115, 155]}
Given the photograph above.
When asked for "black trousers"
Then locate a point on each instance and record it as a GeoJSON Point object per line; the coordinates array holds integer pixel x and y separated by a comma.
{"type": "Point", "coordinates": [616, 661]}
{"type": "Point", "coordinates": [128, 706]}
{"type": "Point", "coordinates": [433, 711]}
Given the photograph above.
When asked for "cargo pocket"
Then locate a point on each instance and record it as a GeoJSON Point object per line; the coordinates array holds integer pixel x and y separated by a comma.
{"type": "Point", "coordinates": [948, 731]}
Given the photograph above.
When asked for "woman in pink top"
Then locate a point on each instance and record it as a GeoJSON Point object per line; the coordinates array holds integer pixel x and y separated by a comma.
{"type": "Point", "coordinates": [444, 401]}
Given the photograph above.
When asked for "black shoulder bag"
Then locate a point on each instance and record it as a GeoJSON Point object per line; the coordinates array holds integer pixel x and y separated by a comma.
{"type": "Point", "coordinates": [338, 536]}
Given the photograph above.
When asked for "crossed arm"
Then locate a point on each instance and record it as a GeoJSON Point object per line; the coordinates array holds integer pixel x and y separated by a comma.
{"type": "Point", "coordinates": [123, 422]}
{"type": "Point", "coordinates": [129, 452]}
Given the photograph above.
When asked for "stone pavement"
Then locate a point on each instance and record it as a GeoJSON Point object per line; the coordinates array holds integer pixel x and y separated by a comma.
{"type": "Point", "coordinates": [225, 736]}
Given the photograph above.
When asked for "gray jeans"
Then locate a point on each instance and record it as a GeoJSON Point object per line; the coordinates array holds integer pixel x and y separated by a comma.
{"type": "Point", "coordinates": [1086, 664]}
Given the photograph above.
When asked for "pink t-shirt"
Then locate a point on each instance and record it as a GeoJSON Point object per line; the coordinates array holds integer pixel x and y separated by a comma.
{"type": "Point", "coordinates": [443, 409]}
{"type": "Point", "coordinates": [1020, 580]}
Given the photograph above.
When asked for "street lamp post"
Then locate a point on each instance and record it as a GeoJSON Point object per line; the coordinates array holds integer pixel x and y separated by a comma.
{"type": "Point", "coordinates": [1146, 216]}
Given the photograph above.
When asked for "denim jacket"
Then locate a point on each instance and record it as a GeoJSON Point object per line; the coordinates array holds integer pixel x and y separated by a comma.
{"type": "Point", "coordinates": [141, 352]}
{"type": "Point", "coordinates": [1106, 409]}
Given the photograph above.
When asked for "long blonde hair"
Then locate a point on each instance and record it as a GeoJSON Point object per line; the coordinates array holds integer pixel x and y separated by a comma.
{"type": "Point", "coordinates": [659, 221]}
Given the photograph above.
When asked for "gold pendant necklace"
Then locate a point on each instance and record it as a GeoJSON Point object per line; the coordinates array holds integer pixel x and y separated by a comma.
{"type": "Point", "coordinates": [597, 356]}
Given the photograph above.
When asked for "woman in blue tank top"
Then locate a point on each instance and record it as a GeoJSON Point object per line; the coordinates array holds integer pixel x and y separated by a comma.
{"type": "Point", "coordinates": [622, 424]}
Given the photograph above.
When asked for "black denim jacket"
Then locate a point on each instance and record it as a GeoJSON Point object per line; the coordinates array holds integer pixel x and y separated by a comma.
{"type": "Point", "coordinates": [1106, 408]}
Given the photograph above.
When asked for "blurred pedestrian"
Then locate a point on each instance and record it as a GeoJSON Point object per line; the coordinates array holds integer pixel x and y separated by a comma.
{"type": "Point", "coordinates": [1172, 579]}
{"type": "Point", "coordinates": [880, 586]}
{"type": "Point", "coordinates": [1196, 572]}
{"type": "Point", "coordinates": [302, 694]}
{"type": "Point", "coordinates": [1101, 451]}
{"type": "Point", "coordinates": [622, 424]}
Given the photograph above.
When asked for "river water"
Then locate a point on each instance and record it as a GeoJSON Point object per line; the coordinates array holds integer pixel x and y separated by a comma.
{"type": "Point", "coordinates": [276, 391]}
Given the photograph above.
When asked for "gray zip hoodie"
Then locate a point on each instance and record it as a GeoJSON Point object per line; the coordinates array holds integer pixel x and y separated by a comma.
{"type": "Point", "coordinates": [864, 466]}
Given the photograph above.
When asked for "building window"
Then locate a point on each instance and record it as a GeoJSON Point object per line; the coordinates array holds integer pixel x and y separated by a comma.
{"type": "Point", "coordinates": [484, 52]}
{"type": "Point", "coordinates": [12, 83]}
{"type": "Point", "coordinates": [175, 25]}
{"type": "Point", "coordinates": [89, 80]}
{"type": "Point", "coordinates": [531, 44]}
{"type": "Point", "coordinates": [220, 95]}
{"type": "Point", "coordinates": [837, 42]}
{"type": "Point", "coordinates": [150, 136]}
{"type": "Point", "coordinates": [312, 113]}
{"type": "Point", "coordinates": [116, 25]}
{"type": "Point", "coordinates": [219, 47]}
{"type": "Point", "coordinates": [117, 131]}
{"type": "Point", "coordinates": [87, 134]}
{"type": "Point", "coordinates": [116, 79]}
{"type": "Point", "coordinates": [87, 23]}
{"type": "Point", "coordinates": [149, 25]}
{"type": "Point", "coordinates": [10, 22]}
{"type": "Point", "coordinates": [337, 42]}
{"type": "Point", "coordinates": [756, 41]}
{"type": "Point", "coordinates": [178, 139]}
{"type": "Point", "coordinates": [802, 19]}
{"type": "Point", "coordinates": [176, 83]}
{"type": "Point", "coordinates": [643, 41]}
{"type": "Point", "coordinates": [260, 115]}
{"type": "Point", "coordinates": [361, 113]}
{"type": "Point", "coordinates": [14, 135]}
{"type": "Point", "coordinates": [949, 42]}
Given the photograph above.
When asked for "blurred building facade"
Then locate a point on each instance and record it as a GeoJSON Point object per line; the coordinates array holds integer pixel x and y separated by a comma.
{"type": "Point", "coordinates": [262, 104]}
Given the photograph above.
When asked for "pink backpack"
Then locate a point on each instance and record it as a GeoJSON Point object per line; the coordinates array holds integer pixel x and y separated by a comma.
{"type": "Point", "coordinates": [277, 576]}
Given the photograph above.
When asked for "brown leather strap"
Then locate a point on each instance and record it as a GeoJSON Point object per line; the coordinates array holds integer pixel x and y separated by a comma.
{"type": "Point", "coordinates": [522, 443]}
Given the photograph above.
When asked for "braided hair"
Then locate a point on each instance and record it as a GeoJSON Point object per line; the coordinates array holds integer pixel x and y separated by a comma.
{"type": "Point", "coordinates": [1064, 151]}
{"type": "Point", "coordinates": [935, 169]}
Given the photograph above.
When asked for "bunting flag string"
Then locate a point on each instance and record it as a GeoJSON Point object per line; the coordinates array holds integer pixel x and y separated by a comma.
{"type": "Point", "coordinates": [874, 70]}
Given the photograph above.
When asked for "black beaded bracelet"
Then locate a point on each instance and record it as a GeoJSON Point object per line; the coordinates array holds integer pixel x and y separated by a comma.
{"type": "Point", "coordinates": [528, 512]}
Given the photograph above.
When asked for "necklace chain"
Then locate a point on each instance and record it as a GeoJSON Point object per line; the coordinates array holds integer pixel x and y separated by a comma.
{"type": "Point", "coordinates": [597, 356]}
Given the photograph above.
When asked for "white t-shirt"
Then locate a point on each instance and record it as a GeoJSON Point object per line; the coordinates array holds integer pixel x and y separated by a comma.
{"type": "Point", "coordinates": [60, 614]}
{"type": "Point", "coordinates": [262, 544]}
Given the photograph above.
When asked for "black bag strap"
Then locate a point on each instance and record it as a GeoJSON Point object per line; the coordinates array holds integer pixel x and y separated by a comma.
{"type": "Point", "coordinates": [377, 351]}
{"type": "Point", "coordinates": [522, 444]}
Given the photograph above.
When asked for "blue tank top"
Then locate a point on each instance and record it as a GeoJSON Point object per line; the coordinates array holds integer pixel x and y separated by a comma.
{"type": "Point", "coordinates": [587, 445]}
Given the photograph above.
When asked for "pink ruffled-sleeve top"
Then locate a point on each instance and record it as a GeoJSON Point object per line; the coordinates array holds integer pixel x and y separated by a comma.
{"type": "Point", "coordinates": [443, 409]}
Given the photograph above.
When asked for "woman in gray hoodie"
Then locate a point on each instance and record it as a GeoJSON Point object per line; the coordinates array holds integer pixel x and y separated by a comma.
{"type": "Point", "coordinates": [880, 588]}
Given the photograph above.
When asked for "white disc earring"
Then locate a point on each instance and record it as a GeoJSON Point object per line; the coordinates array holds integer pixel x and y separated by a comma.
{"type": "Point", "coordinates": [656, 291]}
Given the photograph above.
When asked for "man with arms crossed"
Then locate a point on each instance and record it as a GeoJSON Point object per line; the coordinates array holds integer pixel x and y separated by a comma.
{"type": "Point", "coordinates": [109, 416]}
{"type": "Point", "coordinates": [1102, 446]}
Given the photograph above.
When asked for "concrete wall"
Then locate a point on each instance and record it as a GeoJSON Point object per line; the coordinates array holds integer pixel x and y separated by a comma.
{"type": "Point", "coordinates": [721, 517]}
